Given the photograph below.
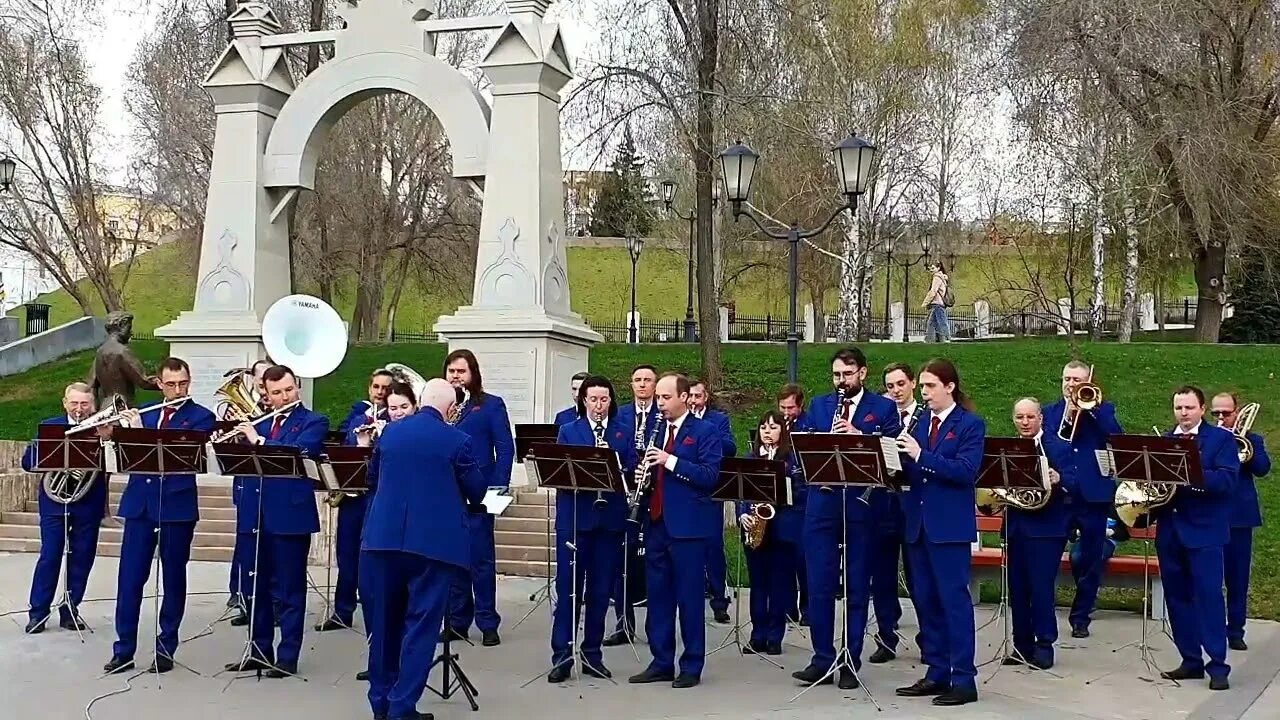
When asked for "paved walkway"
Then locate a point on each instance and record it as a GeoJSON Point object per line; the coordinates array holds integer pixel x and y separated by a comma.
{"type": "Point", "coordinates": [55, 676]}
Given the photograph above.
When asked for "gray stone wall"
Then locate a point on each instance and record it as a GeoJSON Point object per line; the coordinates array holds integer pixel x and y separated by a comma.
{"type": "Point", "coordinates": [80, 334]}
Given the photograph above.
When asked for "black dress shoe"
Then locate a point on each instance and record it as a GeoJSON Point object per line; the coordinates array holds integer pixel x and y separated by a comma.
{"type": "Point", "coordinates": [923, 688]}
{"type": "Point", "coordinates": [1183, 673]}
{"type": "Point", "coordinates": [685, 680]}
{"type": "Point", "coordinates": [722, 617]}
{"type": "Point", "coordinates": [362, 676]}
{"type": "Point", "coordinates": [616, 639]}
{"type": "Point", "coordinates": [489, 638]}
{"type": "Point", "coordinates": [848, 681]}
{"type": "Point", "coordinates": [881, 655]}
{"type": "Point", "coordinates": [957, 696]}
{"type": "Point", "coordinates": [35, 627]}
{"type": "Point", "coordinates": [1237, 644]}
{"type": "Point", "coordinates": [454, 634]}
{"type": "Point", "coordinates": [75, 623]}
{"type": "Point", "coordinates": [241, 619]}
{"type": "Point", "coordinates": [773, 649]}
{"type": "Point", "coordinates": [332, 623]}
{"type": "Point", "coordinates": [813, 674]}
{"type": "Point", "coordinates": [117, 664]}
{"type": "Point", "coordinates": [1079, 631]}
{"type": "Point", "coordinates": [247, 665]}
{"type": "Point", "coordinates": [161, 665]}
{"type": "Point", "coordinates": [1219, 683]}
{"type": "Point", "coordinates": [596, 671]}
{"type": "Point", "coordinates": [559, 673]}
{"type": "Point", "coordinates": [1012, 660]}
{"type": "Point", "coordinates": [651, 676]}
{"type": "Point", "coordinates": [281, 671]}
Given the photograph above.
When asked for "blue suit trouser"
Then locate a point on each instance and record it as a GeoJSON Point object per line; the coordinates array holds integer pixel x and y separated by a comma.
{"type": "Point", "coordinates": [137, 548]}
{"type": "Point", "coordinates": [940, 590]}
{"type": "Point", "coordinates": [277, 572]}
{"type": "Point", "coordinates": [1033, 580]}
{"type": "Point", "coordinates": [675, 570]}
{"type": "Point", "coordinates": [1237, 557]}
{"type": "Point", "coordinates": [823, 557]}
{"type": "Point", "coordinates": [771, 569]}
{"type": "Point", "coordinates": [405, 596]}
{"type": "Point", "coordinates": [587, 577]}
{"type": "Point", "coordinates": [477, 600]}
{"type": "Point", "coordinates": [1193, 595]}
{"type": "Point", "coordinates": [1090, 561]}
{"type": "Point", "coordinates": [885, 548]}
{"type": "Point", "coordinates": [78, 532]}
{"type": "Point", "coordinates": [347, 549]}
{"type": "Point", "coordinates": [717, 571]}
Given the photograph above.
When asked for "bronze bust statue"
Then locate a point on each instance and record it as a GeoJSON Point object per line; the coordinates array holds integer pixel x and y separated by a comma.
{"type": "Point", "coordinates": [116, 370]}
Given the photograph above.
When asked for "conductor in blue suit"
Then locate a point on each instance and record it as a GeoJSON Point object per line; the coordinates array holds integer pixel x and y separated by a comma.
{"type": "Point", "coordinates": [415, 546]}
{"type": "Point", "coordinates": [1094, 497]}
{"type": "Point", "coordinates": [351, 511]}
{"type": "Point", "coordinates": [836, 517]}
{"type": "Point", "coordinates": [593, 522]}
{"type": "Point", "coordinates": [1246, 515]}
{"type": "Point", "coordinates": [1192, 530]}
{"type": "Point", "coordinates": [682, 520]}
{"type": "Point", "coordinates": [571, 413]}
{"type": "Point", "coordinates": [160, 514]}
{"type": "Point", "coordinates": [483, 417]}
{"type": "Point", "coordinates": [1036, 539]}
{"type": "Point", "coordinates": [279, 515]}
{"type": "Point", "coordinates": [75, 524]}
{"type": "Point", "coordinates": [944, 454]}
{"type": "Point", "coordinates": [717, 568]}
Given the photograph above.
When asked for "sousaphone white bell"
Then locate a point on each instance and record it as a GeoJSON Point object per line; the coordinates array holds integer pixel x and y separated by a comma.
{"type": "Point", "coordinates": [306, 334]}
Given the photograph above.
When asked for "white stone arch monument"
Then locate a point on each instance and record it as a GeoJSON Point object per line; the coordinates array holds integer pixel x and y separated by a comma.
{"type": "Point", "coordinates": [270, 131]}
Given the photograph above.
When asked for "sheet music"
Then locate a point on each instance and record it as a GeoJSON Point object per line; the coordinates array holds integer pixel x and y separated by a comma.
{"type": "Point", "coordinates": [211, 460]}
{"type": "Point", "coordinates": [496, 501]}
{"type": "Point", "coordinates": [321, 472]}
{"type": "Point", "coordinates": [1106, 463]}
{"type": "Point", "coordinates": [889, 448]}
{"type": "Point", "coordinates": [110, 463]}
{"type": "Point", "coordinates": [1044, 473]}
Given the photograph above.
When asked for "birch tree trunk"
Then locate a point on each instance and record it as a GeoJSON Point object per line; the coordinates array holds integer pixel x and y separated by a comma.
{"type": "Point", "coordinates": [1129, 292]}
{"type": "Point", "coordinates": [852, 278]}
{"type": "Point", "coordinates": [1098, 304]}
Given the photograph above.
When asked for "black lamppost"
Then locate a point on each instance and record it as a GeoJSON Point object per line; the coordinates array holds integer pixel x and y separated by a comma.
{"type": "Point", "coordinates": [668, 197]}
{"type": "Point", "coordinates": [853, 158]}
{"type": "Point", "coordinates": [7, 169]}
{"type": "Point", "coordinates": [634, 246]}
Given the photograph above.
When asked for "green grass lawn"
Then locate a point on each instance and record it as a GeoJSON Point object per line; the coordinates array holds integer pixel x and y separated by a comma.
{"type": "Point", "coordinates": [1137, 377]}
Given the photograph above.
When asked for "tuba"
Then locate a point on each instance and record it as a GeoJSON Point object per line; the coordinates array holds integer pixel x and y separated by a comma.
{"type": "Point", "coordinates": [408, 376]}
{"type": "Point", "coordinates": [1244, 422]}
{"type": "Point", "coordinates": [1086, 396]}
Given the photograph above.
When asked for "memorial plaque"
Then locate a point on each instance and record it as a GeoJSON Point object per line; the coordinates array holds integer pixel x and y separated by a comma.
{"type": "Point", "coordinates": [510, 375]}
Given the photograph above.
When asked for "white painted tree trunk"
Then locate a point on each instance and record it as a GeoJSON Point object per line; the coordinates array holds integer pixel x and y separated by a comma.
{"type": "Point", "coordinates": [1098, 305]}
{"type": "Point", "coordinates": [852, 280]}
{"type": "Point", "coordinates": [717, 255]}
{"type": "Point", "coordinates": [1129, 293]}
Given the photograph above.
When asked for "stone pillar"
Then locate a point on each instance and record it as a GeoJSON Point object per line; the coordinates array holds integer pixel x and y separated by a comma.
{"type": "Point", "coordinates": [898, 323]}
{"type": "Point", "coordinates": [982, 314]}
{"type": "Point", "coordinates": [810, 328]}
{"type": "Point", "coordinates": [724, 324]}
{"type": "Point", "coordinates": [244, 256]}
{"type": "Point", "coordinates": [519, 324]}
{"type": "Point", "coordinates": [1066, 323]}
{"type": "Point", "coordinates": [1147, 312]}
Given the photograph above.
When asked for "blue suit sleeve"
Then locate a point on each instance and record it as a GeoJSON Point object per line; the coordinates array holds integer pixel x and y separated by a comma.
{"type": "Point", "coordinates": [893, 424]}
{"type": "Point", "coordinates": [1105, 417]}
{"type": "Point", "coordinates": [1222, 469]}
{"type": "Point", "coordinates": [504, 447]}
{"type": "Point", "coordinates": [1261, 463]}
{"type": "Point", "coordinates": [29, 457]}
{"type": "Point", "coordinates": [206, 421]}
{"type": "Point", "coordinates": [1060, 459]}
{"type": "Point", "coordinates": [311, 439]}
{"type": "Point", "coordinates": [701, 473]}
{"type": "Point", "coordinates": [730, 445]}
{"type": "Point", "coordinates": [963, 468]}
{"type": "Point", "coordinates": [470, 482]}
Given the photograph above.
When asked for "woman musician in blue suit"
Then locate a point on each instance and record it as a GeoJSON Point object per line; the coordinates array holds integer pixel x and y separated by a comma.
{"type": "Point", "coordinates": [771, 565]}
{"type": "Point", "coordinates": [593, 523]}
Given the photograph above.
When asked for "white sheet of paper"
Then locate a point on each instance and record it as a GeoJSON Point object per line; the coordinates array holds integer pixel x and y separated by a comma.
{"type": "Point", "coordinates": [110, 462]}
{"type": "Point", "coordinates": [1106, 462]}
{"type": "Point", "coordinates": [494, 502]}
{"type": "Point", "coordinates": [1044, 473]}
{"type": "Point", "coordinates": [889, 448]}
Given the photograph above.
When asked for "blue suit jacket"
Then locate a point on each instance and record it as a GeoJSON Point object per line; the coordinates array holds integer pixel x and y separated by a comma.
{"type": "Point", "coordinates": [1201, 517]}
{"type": "Point", "coordinates": [288, 504]}
{"type": "Point", "coordinates": [1095, 428]}
{"type": "Point", "coordinates": [937, 507]}
{"type": "Point", "coordinates": [425, 477]}
{"type": "Point", "coordinates": [875, 415]}
{"type": "Point", "coordinates": [627, 417]}
{"type": "Point", "coordinates": [92, 505]}
{"type": "Point", "coordinates": [788, 524]}
{"type": "Point", "coordinates": [566, 416]}
{"type": "Point", "coordinates": [688, 510]}
{"type": "Point", "coordinates": [356, 417]}
{"type": "Point", "coordinates": [489, 428]}
{"type": "Point", "coordinates": [142, 496]}
{"type": "Point", "coordinates": [1245, 509]}
{"type": "Point", "coordinates": [613, 516]}
{"type": "Point", "coordinates": [720, 421]}
{"type": "Point", "coordinates": [1053, 520]}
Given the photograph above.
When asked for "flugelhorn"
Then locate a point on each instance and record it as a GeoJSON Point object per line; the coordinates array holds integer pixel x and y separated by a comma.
{"type": "Point", "coordinates": [233, 432]}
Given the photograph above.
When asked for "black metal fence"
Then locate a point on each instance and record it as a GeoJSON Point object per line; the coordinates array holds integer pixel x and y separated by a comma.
{"type": "Point", "coordinates": [37, 318]}
{"type": "Point", "coordinates": [650, 331]}
{"type": "Point", "coordinates": [762, 329]}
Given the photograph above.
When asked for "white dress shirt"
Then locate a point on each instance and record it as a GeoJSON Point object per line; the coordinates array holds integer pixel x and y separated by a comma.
{"type": "Point", "coordinates": [673, 428]}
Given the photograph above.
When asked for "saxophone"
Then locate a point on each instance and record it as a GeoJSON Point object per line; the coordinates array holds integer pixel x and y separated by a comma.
{"type": "Point", "coordinates": [762, 512]}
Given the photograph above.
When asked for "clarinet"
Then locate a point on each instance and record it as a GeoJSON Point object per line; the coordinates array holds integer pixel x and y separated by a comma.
{"type": "Point", "coordinates": [598, 429]}
{"type": "Point", "coordinates": [842, 406]}
{"type": "Point", "coordinates": [641, 489]}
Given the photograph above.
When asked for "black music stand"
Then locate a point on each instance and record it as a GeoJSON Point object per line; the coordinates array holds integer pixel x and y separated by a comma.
{"type": "Point", "coordinates": [263, 462]}
{"type": "Point", "coordinates": [342, 472]}
{"type": "Point", "coordinates": [526, 434]}
{"type": "Point", "coordinates": [1151, 460]}
{"type": "Point", "coordinates": [160, 452]}
{"type": "Point", "coordinates": [56, 451]}
{"type": "Point", "coordinates": [754, 480]}
{"type": "Point", "coordinates": [575, 468]}
{"type": "Point", "coordinates": [832, 461]}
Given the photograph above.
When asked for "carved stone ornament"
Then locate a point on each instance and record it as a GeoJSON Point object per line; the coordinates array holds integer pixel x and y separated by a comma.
{"type": "Point", "coordinates": [555, 281]}
{"type": "Point", "coordinates": [225, 287]}
{"type": "Point", "coordinates": [373, 25]}
{"type": "Point", "coordinates": [506, 281]}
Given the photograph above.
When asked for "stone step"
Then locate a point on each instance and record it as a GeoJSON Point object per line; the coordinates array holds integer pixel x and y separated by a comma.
{"type": "Point", "coordinates": [108, 535]}
{"type": "Point", "coordinates": [521, 539]}
{"type": "Point", "coordinates": [520, 568]}
{"type": "Point", "coordinates": [518, 524]}
{"type": "Point", "coordinates": [118, 483]}
{"type": "Point", "coordinates": [515, 510]}
{"type": "Point", "coordinates": [112, 549]}
{"type": "Point", "coordinates": [205, 501]}
{"type": "Point", "coordinates": [523, 553]}
{"type": "Point", "coordinates": [206, 512]}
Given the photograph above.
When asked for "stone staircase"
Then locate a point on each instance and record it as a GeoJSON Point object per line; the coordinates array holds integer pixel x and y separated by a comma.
{"type": "Point", "coordinates": [520, 535]}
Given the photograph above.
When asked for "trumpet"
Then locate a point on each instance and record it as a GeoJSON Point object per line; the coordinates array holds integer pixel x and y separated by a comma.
{"type": "Point", "coordinates": [641, 487]}
{"type": "Point", "coordinates": [1086, 397]}
{"type": "Point", "coordinates": [233, 432]}
{"type": "Point", "coordinates": [1244, 422]}
{"type": "Point", "coordinates": [117, 412]}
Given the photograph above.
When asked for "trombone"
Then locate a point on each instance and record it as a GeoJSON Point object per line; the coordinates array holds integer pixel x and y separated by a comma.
{"type": "Point", "coordinates": [115, 414]}
{"type": "Point", "coordinates": [230, 434]}
{"type": "Point", "coordinates": [1086, 397]}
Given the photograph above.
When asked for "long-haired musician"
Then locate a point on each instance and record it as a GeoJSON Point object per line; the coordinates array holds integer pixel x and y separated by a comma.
{"type": "Point", "coordinates": [1035, 541]}
{"type": "Point", "coordinates": [1092, 502]}
{"type": "Point", "coordinates": [1246, 514]}
{"type": "Point", "coordinates": [571, 413]}
{"type": "Point", "coordinates": [483, 417]}
{"type": "Point", "coordinates": [1192, 530]}
{"type": "Point", "coordinates": [279, 515]}
{"type": "Point", "coordinates": [836, 518]}
{"type": "Point", "coordinates": [944, 454]}
{"type": "Point", "coordinates": [700, 404]}
{"type": "Point", "coordinates": [160, 515]}
{"type": "Point", "coordinates": [72, 527]}
{"type": "Point", "coordinates": [351, 512]}
{"type": "Point", "coordinates": [593, 522]}
{"type": "Point", "coordinates": [771, 566]}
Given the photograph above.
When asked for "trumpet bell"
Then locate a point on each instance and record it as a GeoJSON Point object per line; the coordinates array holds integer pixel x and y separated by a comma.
{"type": "Point", "coordinates": [406, 374]}
{"type": "Point", "coordinates": [306, 334]}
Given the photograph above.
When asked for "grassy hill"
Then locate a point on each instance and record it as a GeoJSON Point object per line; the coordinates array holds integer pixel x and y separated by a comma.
{"type": "Point", "coordinates": [1137, 377]}
{"type": "Point", "coordinates": [161, 284]}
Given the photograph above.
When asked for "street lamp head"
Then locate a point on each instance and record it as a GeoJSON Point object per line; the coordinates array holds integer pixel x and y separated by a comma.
{"type": "Point", "coordinates": [668, 193]}
{"type": "Point", "coordinates": [854, 157]}
{"type": "Point", "coordinates": [925, 241]}
{"type": "Point", "coordinates": [888, 244]}
{"type": "Point", "coordinates": [634, 245]}
{"type": "Point", "coordinates": [738, 166]}
{"type": "Point", "coordinates": [7, 169]}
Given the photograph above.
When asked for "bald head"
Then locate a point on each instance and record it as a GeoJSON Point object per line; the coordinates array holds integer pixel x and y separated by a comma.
{"type": "Point", "coordinates": [439, 394]}
{"type": "Point", "coordinates": [1027, 417]}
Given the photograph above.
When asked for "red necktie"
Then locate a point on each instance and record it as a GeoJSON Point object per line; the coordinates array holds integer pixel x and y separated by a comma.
{"type": "Point", "coordinates": [904, 415]}
{"type": "Point", "coordinates": [655, 506]}
{"type": "Point", "coordinates": [165, 416]}
{"type": "Point", "coordinates": [275, 427]}
{"type": "Point", "coordinates": [934, 424]}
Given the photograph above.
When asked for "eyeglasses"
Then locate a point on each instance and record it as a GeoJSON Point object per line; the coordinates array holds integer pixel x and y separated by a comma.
{"type": "Point", "coordinates": [1221, 413]}
{"type": "Point", "coordinates": [176, 385]}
